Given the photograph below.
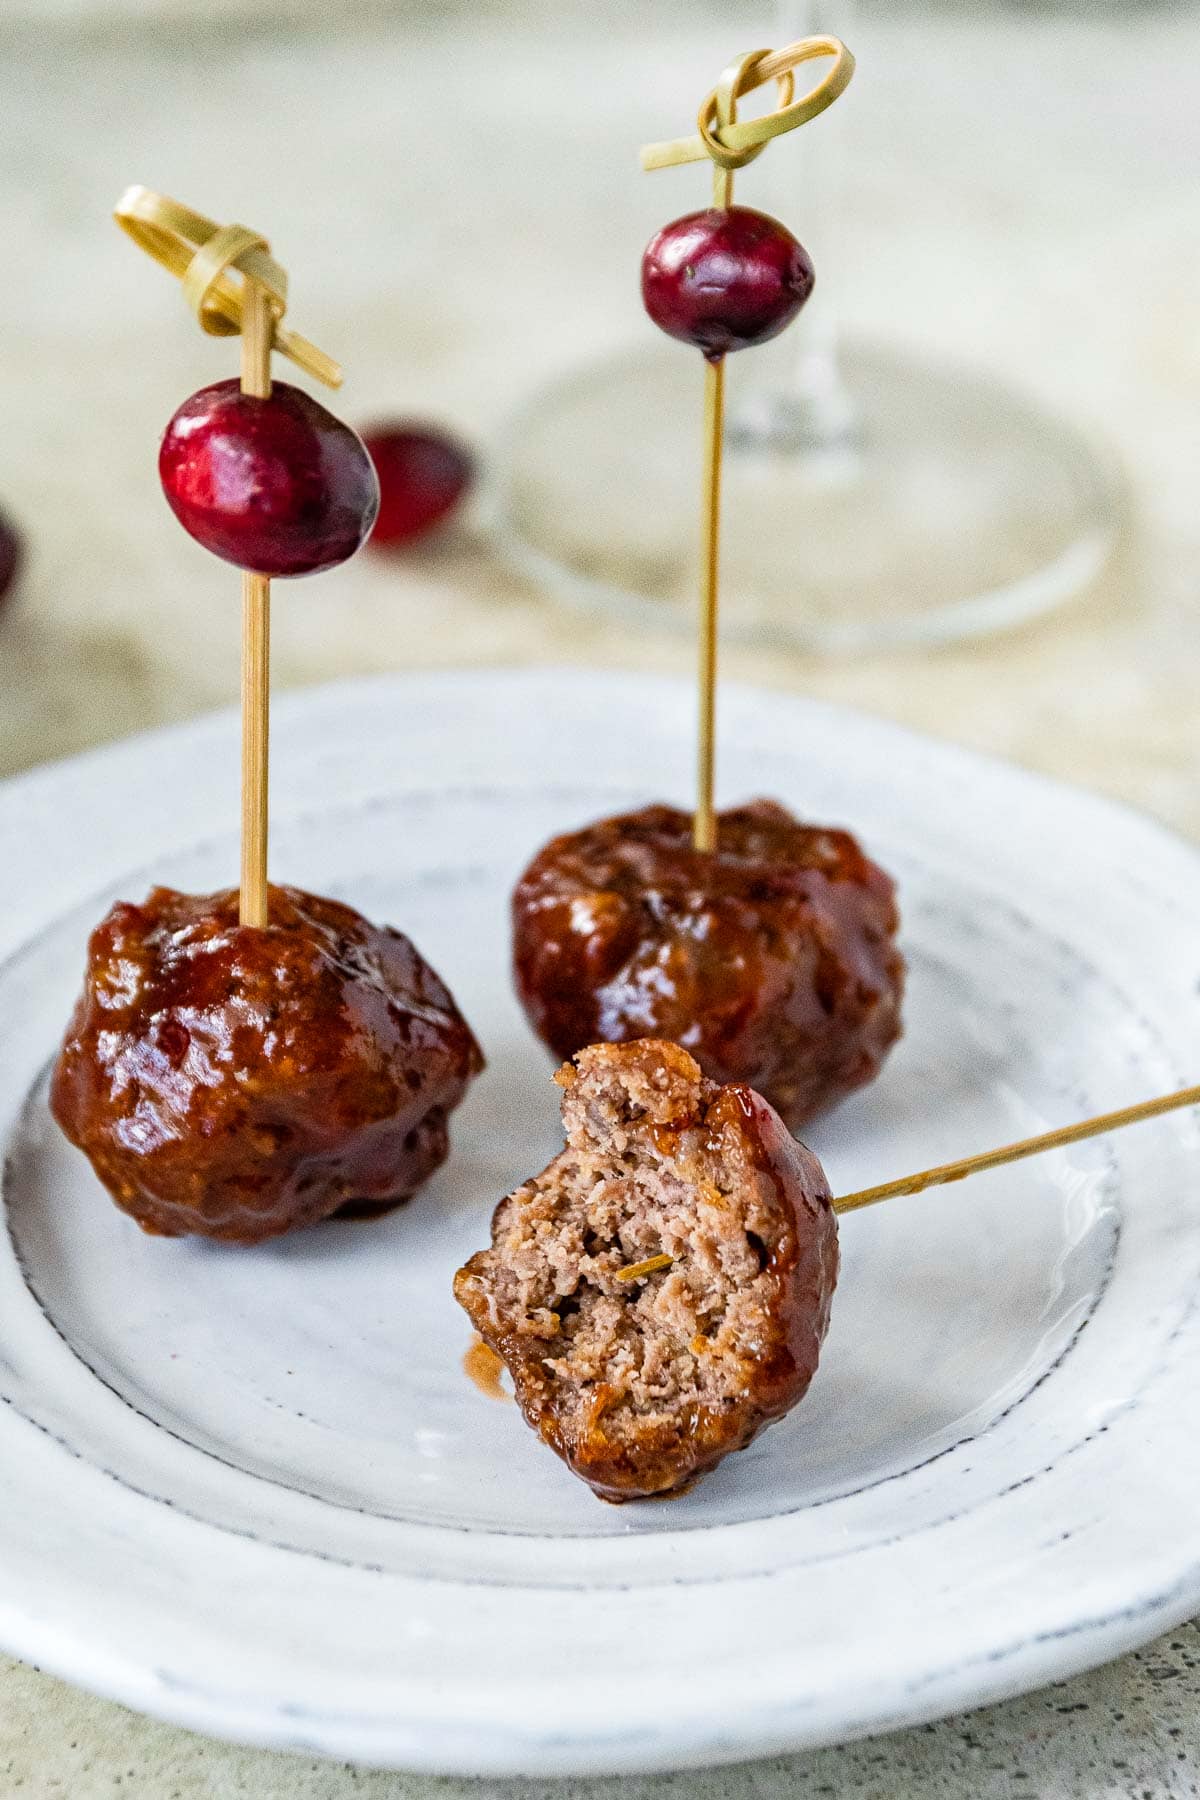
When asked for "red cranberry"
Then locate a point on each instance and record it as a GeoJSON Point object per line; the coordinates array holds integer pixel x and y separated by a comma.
{"type": "Point", "coordinates": [11, 553]}
{"type": "Point", "coordinates": [423, 474]}
{"type": "Point", "coordinates": [278, 485]}
{"type": "Point", "coordinates": [725, 280]}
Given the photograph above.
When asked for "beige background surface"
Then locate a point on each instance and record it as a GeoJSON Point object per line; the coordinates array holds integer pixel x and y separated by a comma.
{"type": "Point", "coordinates": [1024, 194]}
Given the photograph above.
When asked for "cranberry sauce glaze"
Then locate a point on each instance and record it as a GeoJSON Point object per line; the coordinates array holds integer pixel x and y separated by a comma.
{"type": "Point", "coordinates": [237, 1082]}
{"type": "Point", "coordinates": [772, 959]}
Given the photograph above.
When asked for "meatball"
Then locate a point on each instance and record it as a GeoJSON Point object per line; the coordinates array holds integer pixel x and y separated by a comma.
{"type": "Point", "coordinates": [660, 1292]}
{"type": "Point", "coordinates": [772, 958]}
{"type": "Point", "coordinates": [237, 1082]}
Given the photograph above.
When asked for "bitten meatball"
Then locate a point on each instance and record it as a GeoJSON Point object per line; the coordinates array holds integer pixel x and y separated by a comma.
{"type": "Point", "coordinates": [772, 958]}
{"type": "Point", "coordinates": [642, 1379]}
{"type": "Point", "coordinates": [237, 1082]}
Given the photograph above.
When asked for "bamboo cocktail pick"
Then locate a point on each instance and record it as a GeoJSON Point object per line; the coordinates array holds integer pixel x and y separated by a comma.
{"type": "Point", "coordinates": [730, 144]}
{"type": "Point", "coordinates": [1010, 1153]}
{"type": "Point", "coordinates": [256, 644]}
{"type": "Point", "coordinates": [233, 284]}
{"type": "Point", "coordinates": [944, 1173]}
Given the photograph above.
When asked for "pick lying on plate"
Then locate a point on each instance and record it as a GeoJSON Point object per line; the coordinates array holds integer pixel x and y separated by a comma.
{"type": "Point", "coordinates": [661, 1291]}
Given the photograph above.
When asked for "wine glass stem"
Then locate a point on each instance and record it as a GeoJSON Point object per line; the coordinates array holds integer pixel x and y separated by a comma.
{"type": "Point", "coordinates": [798, 400]}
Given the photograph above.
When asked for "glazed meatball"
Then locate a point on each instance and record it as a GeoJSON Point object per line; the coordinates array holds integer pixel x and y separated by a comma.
{"type": "Point", "coordinates": [237, 1082]}
{"type": "Point", "coordinates": [642, 1379]}
{"type": "Point", "coordinates": [772, 958]}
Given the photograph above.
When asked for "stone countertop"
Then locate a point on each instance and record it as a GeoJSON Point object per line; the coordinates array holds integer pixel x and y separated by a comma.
{"type": "Point", "coordinates": [1011, 206]}
{"type": "Point", "coordinates": [1126, 1732]}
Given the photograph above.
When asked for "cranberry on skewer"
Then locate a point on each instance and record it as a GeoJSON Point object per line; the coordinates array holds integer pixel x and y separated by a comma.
{"type": "Point", "coordinates": [725, 279]}
{"type": "Point", "coordinates": [276, 484]}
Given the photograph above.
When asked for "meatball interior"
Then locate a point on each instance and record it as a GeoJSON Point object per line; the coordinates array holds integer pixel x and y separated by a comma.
{"type": "Point", "coordinates": [642, 1384]}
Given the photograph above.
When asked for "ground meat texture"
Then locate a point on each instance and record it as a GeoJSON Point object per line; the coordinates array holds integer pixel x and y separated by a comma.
{"type": "Point", "coordinates": [772, 959]}
{"type": "Point", "coordinates": [237, 1082]}
{"type": "Point", "coordinates": [643, 1385]}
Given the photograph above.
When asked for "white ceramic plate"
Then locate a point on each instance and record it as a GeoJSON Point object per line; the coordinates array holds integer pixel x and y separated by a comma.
{"type": "Point", "coordinates": [254, 1492]}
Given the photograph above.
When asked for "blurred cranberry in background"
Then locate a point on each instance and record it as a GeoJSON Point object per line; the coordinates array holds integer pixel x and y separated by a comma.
{"type": "Point", "coordinates": [10, 556]}
{"type": "Point", "coordinates": [423, 474]}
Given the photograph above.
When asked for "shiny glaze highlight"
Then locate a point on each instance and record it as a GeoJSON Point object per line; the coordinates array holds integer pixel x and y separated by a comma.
{"type": "Point", "coordinates": [236, 1083]}
{"type": "Point", "coordinates": [772, 960]}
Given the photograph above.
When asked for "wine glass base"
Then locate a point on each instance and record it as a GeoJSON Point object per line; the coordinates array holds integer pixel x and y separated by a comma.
{"type": "Point", "coordinates": [947, 507]}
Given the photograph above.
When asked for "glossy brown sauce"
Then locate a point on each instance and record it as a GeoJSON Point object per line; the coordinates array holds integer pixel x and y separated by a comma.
{"type": "Point", "coordinates": [772, 959]}
{"type": "Point", "coordinates": [238, 1083]}
{"type": "Point", "coordinates": [485, 1369]}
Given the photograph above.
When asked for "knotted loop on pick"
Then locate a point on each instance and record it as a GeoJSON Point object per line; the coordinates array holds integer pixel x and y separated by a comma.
{"type": "Point", "coordinates": [231, 247]}
{"type": "Point", "coordinates": [732, 143]}
{"type": "Point", "coordinates": [719, 110]}
{"type": "Point", "coordinates": [202, 254]}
